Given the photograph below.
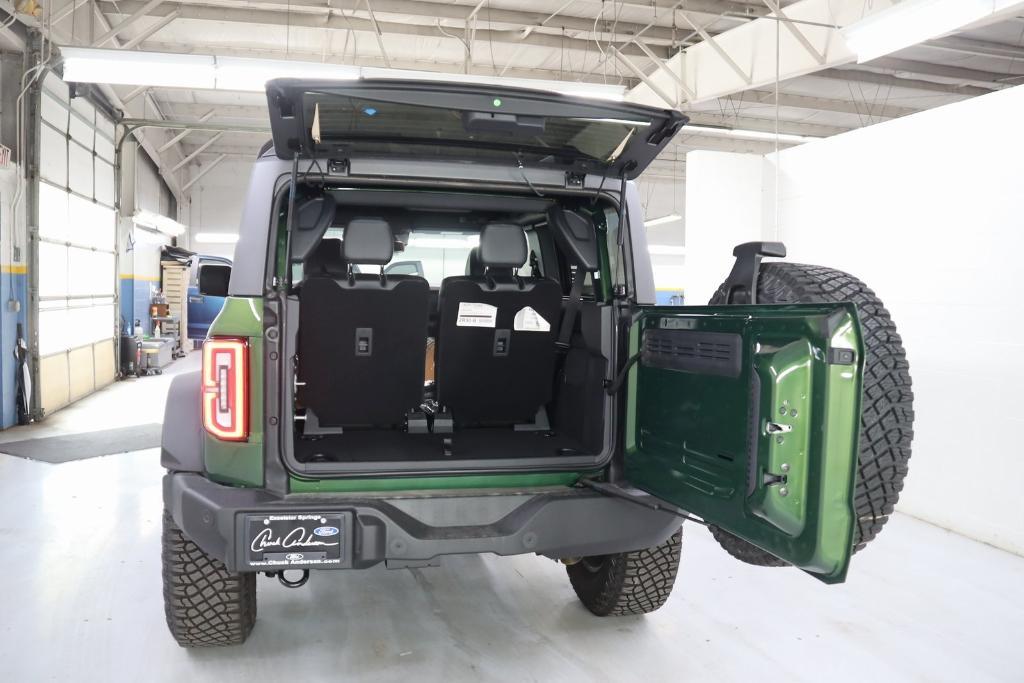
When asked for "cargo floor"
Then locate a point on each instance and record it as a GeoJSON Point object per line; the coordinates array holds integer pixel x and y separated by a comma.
{"type": "Point", "coordinates": [396, 446]}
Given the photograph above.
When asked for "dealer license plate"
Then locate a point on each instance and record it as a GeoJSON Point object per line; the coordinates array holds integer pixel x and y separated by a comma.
{"type": "Point", "coordinates": [289, 540]}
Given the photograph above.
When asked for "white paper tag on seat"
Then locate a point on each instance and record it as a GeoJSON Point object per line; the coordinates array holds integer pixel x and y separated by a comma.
{"type": "Point", "coordinates": [529, 320]}
{"type": "Point", "coordinates": [476, 315]}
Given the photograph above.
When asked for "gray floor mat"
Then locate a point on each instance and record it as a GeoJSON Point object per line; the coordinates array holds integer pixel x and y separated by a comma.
{"type": "Point", "coordinates": [68, 447]}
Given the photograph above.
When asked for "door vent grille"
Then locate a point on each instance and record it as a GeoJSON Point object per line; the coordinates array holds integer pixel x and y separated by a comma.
{"type": "Point", "coordinates": [704, 353]}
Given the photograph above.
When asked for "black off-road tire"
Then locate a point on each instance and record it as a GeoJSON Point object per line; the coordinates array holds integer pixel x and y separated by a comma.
{"type": "Point", "coordinates": [205, 604]}
{"type": "Point", "coordinates": [887, 415]}
{"type": "Point", "coordinates": [627, 583]}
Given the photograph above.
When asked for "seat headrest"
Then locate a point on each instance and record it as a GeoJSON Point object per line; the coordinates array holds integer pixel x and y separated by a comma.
{"type": "Point", "coordinates": [502, 245]}
{"type": "Point", "coordinates": [368, 241]}
{"type": "Point", "coordinates": [326, 259]}
{"type": "Point", "coordinates": [473, 266]}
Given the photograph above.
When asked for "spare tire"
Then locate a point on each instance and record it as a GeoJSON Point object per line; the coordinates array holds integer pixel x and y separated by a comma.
{"type": "Point", "coordinates": [887, 412]}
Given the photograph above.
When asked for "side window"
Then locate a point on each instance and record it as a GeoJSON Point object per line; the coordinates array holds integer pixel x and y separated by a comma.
{"type": "Point", "coordinates": [535, 262]}
{"type": "Point", "coordinates": [615, 264]}
{"type": "Point", "coordinates": [404, 268]}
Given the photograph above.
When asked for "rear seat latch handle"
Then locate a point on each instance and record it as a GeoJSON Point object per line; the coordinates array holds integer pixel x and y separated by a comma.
{"type": "Point", "coordinates": [364, 341]}
{"type": "Point", "coordinates": [501, 342]}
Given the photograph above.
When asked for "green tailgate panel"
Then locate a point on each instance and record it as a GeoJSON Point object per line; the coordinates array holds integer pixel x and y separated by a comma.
{"type": "Point", "coordinates": [749, 417]}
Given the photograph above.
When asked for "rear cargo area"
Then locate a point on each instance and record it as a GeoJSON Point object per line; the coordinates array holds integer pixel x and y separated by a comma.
{"type": "Point", "coordinates": [432, 332]}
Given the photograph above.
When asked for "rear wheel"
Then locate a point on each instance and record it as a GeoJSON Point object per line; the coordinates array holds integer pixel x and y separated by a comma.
{"type": "Point", "coordinates": [205, 604]}
{"type": "Point", "coordinates": [627, 583]}
{"type": "Point", "coordinates": [887, 413]}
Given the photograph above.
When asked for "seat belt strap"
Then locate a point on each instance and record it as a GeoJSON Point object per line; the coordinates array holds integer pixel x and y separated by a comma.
{"type": "Point", "coordinates": [572, 308]}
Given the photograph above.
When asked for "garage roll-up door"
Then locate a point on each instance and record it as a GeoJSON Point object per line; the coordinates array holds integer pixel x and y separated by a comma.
{"type": "Point", "coordinates": [75, 247]}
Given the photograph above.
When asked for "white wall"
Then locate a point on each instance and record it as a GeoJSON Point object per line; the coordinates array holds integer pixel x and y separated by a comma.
{"type": "Point", "coordinates": [927, 210]}
{"type": "Point", "coordinates": [723, 209]}
{"type": "Point", "coordinates": [664, 195]}
{"type": "Point", "coordinates": [215, 204]}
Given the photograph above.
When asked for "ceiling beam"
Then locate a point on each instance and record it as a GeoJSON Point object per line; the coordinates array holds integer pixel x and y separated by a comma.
{"type": "Point", "coordinates": [796, 31]}
{"type": "Point", "coordinates": [149, 31]}
{"type": "Point", "coordinates": [197, 151]}
{"type": "Point", "coordinates": [763, 124]}
{"type": "Point", "coordinates": [365, 59]}
{"type": "Point", "coordinates": [857, 75]}
{"type": "Point", "coordinates": [431, 11]}
{"type": "Point", "coordinates": [863, 107]}
{"type": "Point", "coordinates": [345, 23]}
{"type": "Point", "coordinates": [66, 11]}
{"type": "Point", "coordinates": [12, 33]}
{"type": "Point", "coordinates": [572, 16]}
{"type": "Point", "coordinates": [978, 48]}
{"type": "Point", "coordinates": [184, 133]}
{"type": "Point", "coordinates": [203, 171]}
{"type": "Point", "coordinates": [944, 71]}
{"type": "Point", "coordinates": [667, 99]}
{"type": "Point", "coordinates": [761, 52]}
{"type": "Point", "coordinates": [126, 23]}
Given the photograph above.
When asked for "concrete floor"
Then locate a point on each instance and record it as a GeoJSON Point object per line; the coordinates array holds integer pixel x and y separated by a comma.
{"type": "Point", "coordinates": [81, 601]}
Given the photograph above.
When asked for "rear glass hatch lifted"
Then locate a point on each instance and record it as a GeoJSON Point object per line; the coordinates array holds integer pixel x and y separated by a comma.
{"type": "Point", "coordinates": [475, 123]}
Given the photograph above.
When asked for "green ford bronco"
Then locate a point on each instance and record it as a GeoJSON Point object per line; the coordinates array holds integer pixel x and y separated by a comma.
{"type": "Point", "coordinates": [441, 338]}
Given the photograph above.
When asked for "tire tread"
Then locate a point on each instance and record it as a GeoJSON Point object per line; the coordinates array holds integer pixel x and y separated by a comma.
{"type": "Point", "coordinates": [205, 604]}
{"type": "Point", "coordinates": [637, 582]}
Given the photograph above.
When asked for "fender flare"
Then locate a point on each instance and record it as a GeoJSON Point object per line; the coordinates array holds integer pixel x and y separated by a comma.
{"type": "Point", "coordinates": [181, 442]}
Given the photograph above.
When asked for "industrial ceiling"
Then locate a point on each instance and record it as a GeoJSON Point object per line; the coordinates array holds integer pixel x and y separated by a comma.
{"type": "Point", "coordinates": [636, 43]}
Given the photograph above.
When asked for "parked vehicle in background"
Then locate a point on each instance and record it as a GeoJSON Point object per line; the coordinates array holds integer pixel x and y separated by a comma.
{"type": "Point", "coordinates": [203, 308]}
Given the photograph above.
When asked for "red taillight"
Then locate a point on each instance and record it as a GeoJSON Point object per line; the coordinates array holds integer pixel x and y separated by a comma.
{"type": "Point", "coordinates": [226, 388]}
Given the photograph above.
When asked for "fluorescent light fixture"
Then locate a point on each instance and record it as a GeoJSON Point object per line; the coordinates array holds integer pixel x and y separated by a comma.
{"type": "Point", "coordinates": [914, 21]}
{"type": "Point", "coordinates": [747, 134]}
{"type": "Point", "coordinates": [443, 241]}
{"type": "Point", "coordinates": [671, 218]}
{"type": "Point", "coordinates": [240, 73]}
{"type": "Point", "coordinates": [666, 250]}
{"type": "Point", "coordinates": [216, 237]}
{"type": "Point", "coordinates": [209, 72]}
{"type": "Point", "coordinates": [87, 65]}
{"type": "Point", "coordinates": [155, 221]}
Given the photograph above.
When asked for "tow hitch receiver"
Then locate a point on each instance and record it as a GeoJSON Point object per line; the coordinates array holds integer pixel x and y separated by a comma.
{"type": "Point", "coordinates": [290, 583]}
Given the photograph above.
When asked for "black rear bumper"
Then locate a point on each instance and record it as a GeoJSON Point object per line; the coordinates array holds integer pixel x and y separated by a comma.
{"type": "Point", "coordinates": [417, 527]}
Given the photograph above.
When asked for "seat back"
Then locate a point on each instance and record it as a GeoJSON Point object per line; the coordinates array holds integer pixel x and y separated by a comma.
{"type": "Point", "coordinates": [496, 335]}
{"type": "Point", "coordinates": [361, 335]}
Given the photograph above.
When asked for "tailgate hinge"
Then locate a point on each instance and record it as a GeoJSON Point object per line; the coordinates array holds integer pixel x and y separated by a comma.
{"type": "Point", "coordinates": [635, 495]}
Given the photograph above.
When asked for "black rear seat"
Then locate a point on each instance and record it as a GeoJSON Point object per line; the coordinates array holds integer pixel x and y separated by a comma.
{"type": "Point", "coordinates": [495, 360]}
{"type": "Point", "coordinates": [361, 335]}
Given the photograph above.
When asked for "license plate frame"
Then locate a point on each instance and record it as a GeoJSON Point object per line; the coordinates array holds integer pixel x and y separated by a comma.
{"type": "Point", "coordinates": [276, 541]}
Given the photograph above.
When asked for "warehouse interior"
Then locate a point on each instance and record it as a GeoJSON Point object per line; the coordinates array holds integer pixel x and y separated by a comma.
{"type": "Point", "coordinates": [128, 134]}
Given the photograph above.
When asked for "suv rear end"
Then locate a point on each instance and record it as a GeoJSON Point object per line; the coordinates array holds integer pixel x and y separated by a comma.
{"type": "Point", "coordinates": [439, 339]}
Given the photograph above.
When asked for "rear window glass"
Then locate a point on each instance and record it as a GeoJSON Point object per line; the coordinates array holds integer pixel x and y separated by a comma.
{"type": "Point", "coordinates": [430, 254]}
{"type": "Point", "coordinates": [435, 255]}
{"type": "Point", "coordinates": [377, 125]}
